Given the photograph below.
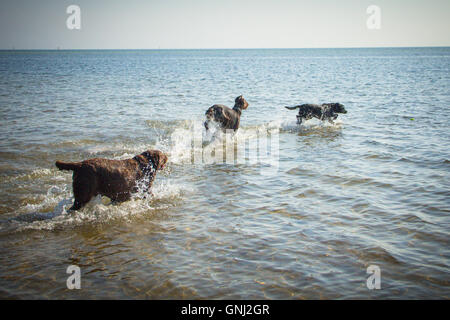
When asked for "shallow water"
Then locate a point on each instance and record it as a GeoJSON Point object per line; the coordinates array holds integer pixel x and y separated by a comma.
{"type": "Point", "coordinates": [372, 189]}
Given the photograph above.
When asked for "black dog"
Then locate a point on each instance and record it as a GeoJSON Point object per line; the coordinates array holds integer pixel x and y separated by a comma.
{"type": "Point", "coordinates": [325, 111]}
{"type": "Point", "coordinates": [226, 118]}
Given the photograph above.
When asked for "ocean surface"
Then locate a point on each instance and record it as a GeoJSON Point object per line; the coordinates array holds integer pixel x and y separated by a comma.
{"type": "Point", "coordinates": [372, 189]}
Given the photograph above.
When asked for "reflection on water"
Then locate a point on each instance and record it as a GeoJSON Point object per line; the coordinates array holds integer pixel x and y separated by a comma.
{"type": "Point", "coordinates": [372, 189]}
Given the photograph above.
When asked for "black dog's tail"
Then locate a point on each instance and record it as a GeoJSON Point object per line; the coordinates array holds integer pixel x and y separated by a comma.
{"type": "Point", "coordinates": [292, 108]}
{"type": "Point", "coordinates": [68, 165]}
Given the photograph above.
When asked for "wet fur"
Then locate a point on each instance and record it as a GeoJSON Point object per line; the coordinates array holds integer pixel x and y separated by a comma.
{"type": "Point", "coordinates": [116, 179]}
{"type": "Point", "coordinates": [226, 117]}
{"type": "Point", "coordinates": [325, 111]}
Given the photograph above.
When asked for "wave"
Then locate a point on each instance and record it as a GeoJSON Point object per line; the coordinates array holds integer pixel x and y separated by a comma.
{"type": "Point", "coordinates": [48, 211]}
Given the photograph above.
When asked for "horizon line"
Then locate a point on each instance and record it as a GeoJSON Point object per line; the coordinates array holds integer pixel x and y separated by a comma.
{"type": "Point", "coordinates": [262, 48]}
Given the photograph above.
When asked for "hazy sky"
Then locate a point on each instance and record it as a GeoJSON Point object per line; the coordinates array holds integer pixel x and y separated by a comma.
{"type": "Point", "coordinates": [147, 24]}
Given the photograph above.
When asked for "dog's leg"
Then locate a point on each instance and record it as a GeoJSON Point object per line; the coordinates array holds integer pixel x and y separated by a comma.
{"type": "Point", "coordinates": [299, 120]}
{"type": "Point", "coordinates": [333, 117]}
{"type": "Point", "coordinates": [206, 123]}
{"type": "Point", "coordinates": [83, 191]}
{"type": "Point", "coordinates": [77, 205]}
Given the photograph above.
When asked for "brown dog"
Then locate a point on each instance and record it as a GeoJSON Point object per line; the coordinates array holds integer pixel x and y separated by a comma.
{"type": "Point", "coordinates": [116, 179]}
{"type": "Point", "coordinates": [226, 118]}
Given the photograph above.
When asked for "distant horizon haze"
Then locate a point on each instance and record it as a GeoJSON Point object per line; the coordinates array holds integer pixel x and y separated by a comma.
{"type": "Point", "coordinates": [201, 24]}
{"type": "Point", "coordinates": [193, 49]}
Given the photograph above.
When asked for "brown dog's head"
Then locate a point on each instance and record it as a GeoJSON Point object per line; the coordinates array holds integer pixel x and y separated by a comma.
{"type": "Point", "coordinates": [155, 157]}
{"type": "Point", "coordinates": [240, 102]}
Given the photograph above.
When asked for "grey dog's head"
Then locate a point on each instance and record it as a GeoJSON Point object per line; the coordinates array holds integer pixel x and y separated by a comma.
{"type": "Point", "coordinates": [241, 102]}
{"type": "Point", "coordinates": [338, 108]}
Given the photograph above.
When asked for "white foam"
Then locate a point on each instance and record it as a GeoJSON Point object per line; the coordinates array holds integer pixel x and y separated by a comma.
{"type": "Point", "coordinates": [313, 124]}
{"type": "Point", "coordinates": [100, 209]}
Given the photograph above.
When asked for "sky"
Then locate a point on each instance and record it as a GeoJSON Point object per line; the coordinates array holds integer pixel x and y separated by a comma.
{"type": "Point", "coordinates": [191, 24]}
